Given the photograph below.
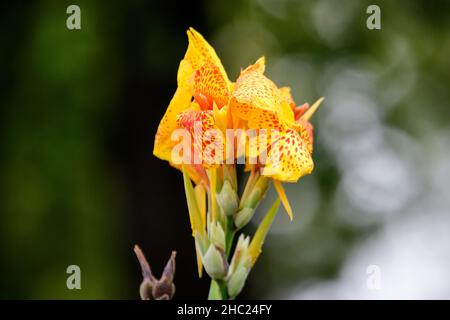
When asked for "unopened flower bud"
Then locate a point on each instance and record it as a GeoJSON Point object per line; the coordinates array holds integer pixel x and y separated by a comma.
{"type": "Point", "coordinates": [243, 216]}
{"type": "Point", "coordinates": [258, 192]}
{"type": "Point", "coordinates": [217, 235]}
{"type": "Point", "coordinates": [240, 256]}
{"type": "Point", "coordinates": [215, 262]}
{"type": "Point", "coordinates": [253, 199]}
{"type": "Point", "coordinates": [236, 281]}
{"type": "Point", "coordinates": [228, 199]}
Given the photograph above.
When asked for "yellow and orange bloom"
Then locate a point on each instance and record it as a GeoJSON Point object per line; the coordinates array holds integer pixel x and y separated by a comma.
{"type": "Point", "coordinates": [254, 102]}
{"type": "Point", "coordinates": [206, 105]}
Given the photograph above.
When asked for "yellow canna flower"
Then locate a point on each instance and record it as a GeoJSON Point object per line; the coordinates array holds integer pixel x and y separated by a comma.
{"type": "Point", "coordinates": [205, 105]}
{"type": "Point", "coordinates": [259, 101]}
{"type": "Point", "coordinates": [205, 97]}
{"type": "Point", "coordinates": [263, 105]}
{"type": "Point", "coordinates": [200, 76]}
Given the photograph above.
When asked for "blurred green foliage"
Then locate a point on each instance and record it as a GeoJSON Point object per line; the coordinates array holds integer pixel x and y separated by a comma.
{"type": "Point", "coordinates": [59, 200]}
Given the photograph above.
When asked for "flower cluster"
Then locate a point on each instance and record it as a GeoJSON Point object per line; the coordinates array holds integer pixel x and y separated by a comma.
{"type": "Point", "coordinates": [205, 108]}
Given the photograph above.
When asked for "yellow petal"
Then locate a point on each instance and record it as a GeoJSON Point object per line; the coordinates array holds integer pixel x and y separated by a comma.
{"type": "Point", "coordinates": [257, 99]}
{"type": "Point", "coordinates": [289, 158]}
{"type": "Point", "coordinates": [200, 195]}
{"type": "Point", "coordinates": [221, 117]}
{"type": "Point", "coordinates": [258, 66]}
{"type": "Point", "coordinates": [210, 86]}
{"type": "Point", "coordinates": [285, 93]}
{"type": "Point", "coordinates": [199, 260]}
{"type": "Point", "coordinates": [200, 51]}
{"type": "Point", "coordinates": [206, 76]}
{"type": "Point", "coordinates": [193, 208]}
{"type": "Point", "coordinates": [311, 110]}
{"type": "Point", "coordinates": [283, 198]}
{"type": "Point", "coordinates": [208, 140]}
{"type": "Point", "coordinates": [212, 174]}
{"type": "Point", "coordinates": [252, 91]}
{"type": "Point", "coordinates": [163, 143]}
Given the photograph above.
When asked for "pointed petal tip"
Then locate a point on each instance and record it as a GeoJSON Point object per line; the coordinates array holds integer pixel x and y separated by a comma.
{"type": "Point", "coordinates": [282, 196]}
{"type": "Point", "coordinates": [311, 110]}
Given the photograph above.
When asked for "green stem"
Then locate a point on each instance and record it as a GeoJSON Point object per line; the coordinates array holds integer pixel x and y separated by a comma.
{"type": "Point", "coordinates": [229, 242]}
{"type": "Point", "coordinates": [229, 236]}
{"type": "Point", "coordinates": [218, 290]}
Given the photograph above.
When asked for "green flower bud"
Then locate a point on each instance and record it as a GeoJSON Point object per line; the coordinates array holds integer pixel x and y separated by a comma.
{"type": "Point", "coordinates": [217, 235]}
{"type": "Point", "coordinates": [253, 199]}
{"type": "Point", "coordinates": [215, 262]}
{"type": "Point", "coordinates": [243, 216]}
{"type": "Point", "coordinates": [236, 281]}
{"type": "Point", "coordinates": [229, 173]}
{"type": "Point", "coordinates": [240, 256]}
{"type": "Point", "coordinates": [228, 199]}
{"type": "Point", "coordinates": [257, 193]}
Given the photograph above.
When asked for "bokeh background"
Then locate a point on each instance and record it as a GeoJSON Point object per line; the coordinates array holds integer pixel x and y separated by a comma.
{"type": "Point", "coordinates": [79, 184]}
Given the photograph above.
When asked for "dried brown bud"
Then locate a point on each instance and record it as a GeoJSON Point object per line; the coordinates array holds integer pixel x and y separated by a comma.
{"type": "Point", "coordinates": [151, 287]}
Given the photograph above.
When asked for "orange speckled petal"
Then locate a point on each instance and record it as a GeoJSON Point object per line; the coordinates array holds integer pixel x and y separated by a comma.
{"type": "Point", "coordinates": [252, 91]}
{"type": "Point", "coordinates": [207, 138]}
{"type": "Point", "coordinates": [200, 51]}
{"type": "Point", "coordinates": [210, 86]}
{"type": "Point", "coordinates": [163, 143]}
{"type": "Point", "coordinates": [265, 119]}
{"type": "Point", "coordinates": [306, 133]}
{"type": "Point", "coordinates": [289, 158]}
{"type": "Point", "coordinates": [257, 99]}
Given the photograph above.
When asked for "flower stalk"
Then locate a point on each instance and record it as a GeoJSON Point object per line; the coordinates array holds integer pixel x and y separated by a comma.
{"type": "Point", "coordinates": [205, 107]}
